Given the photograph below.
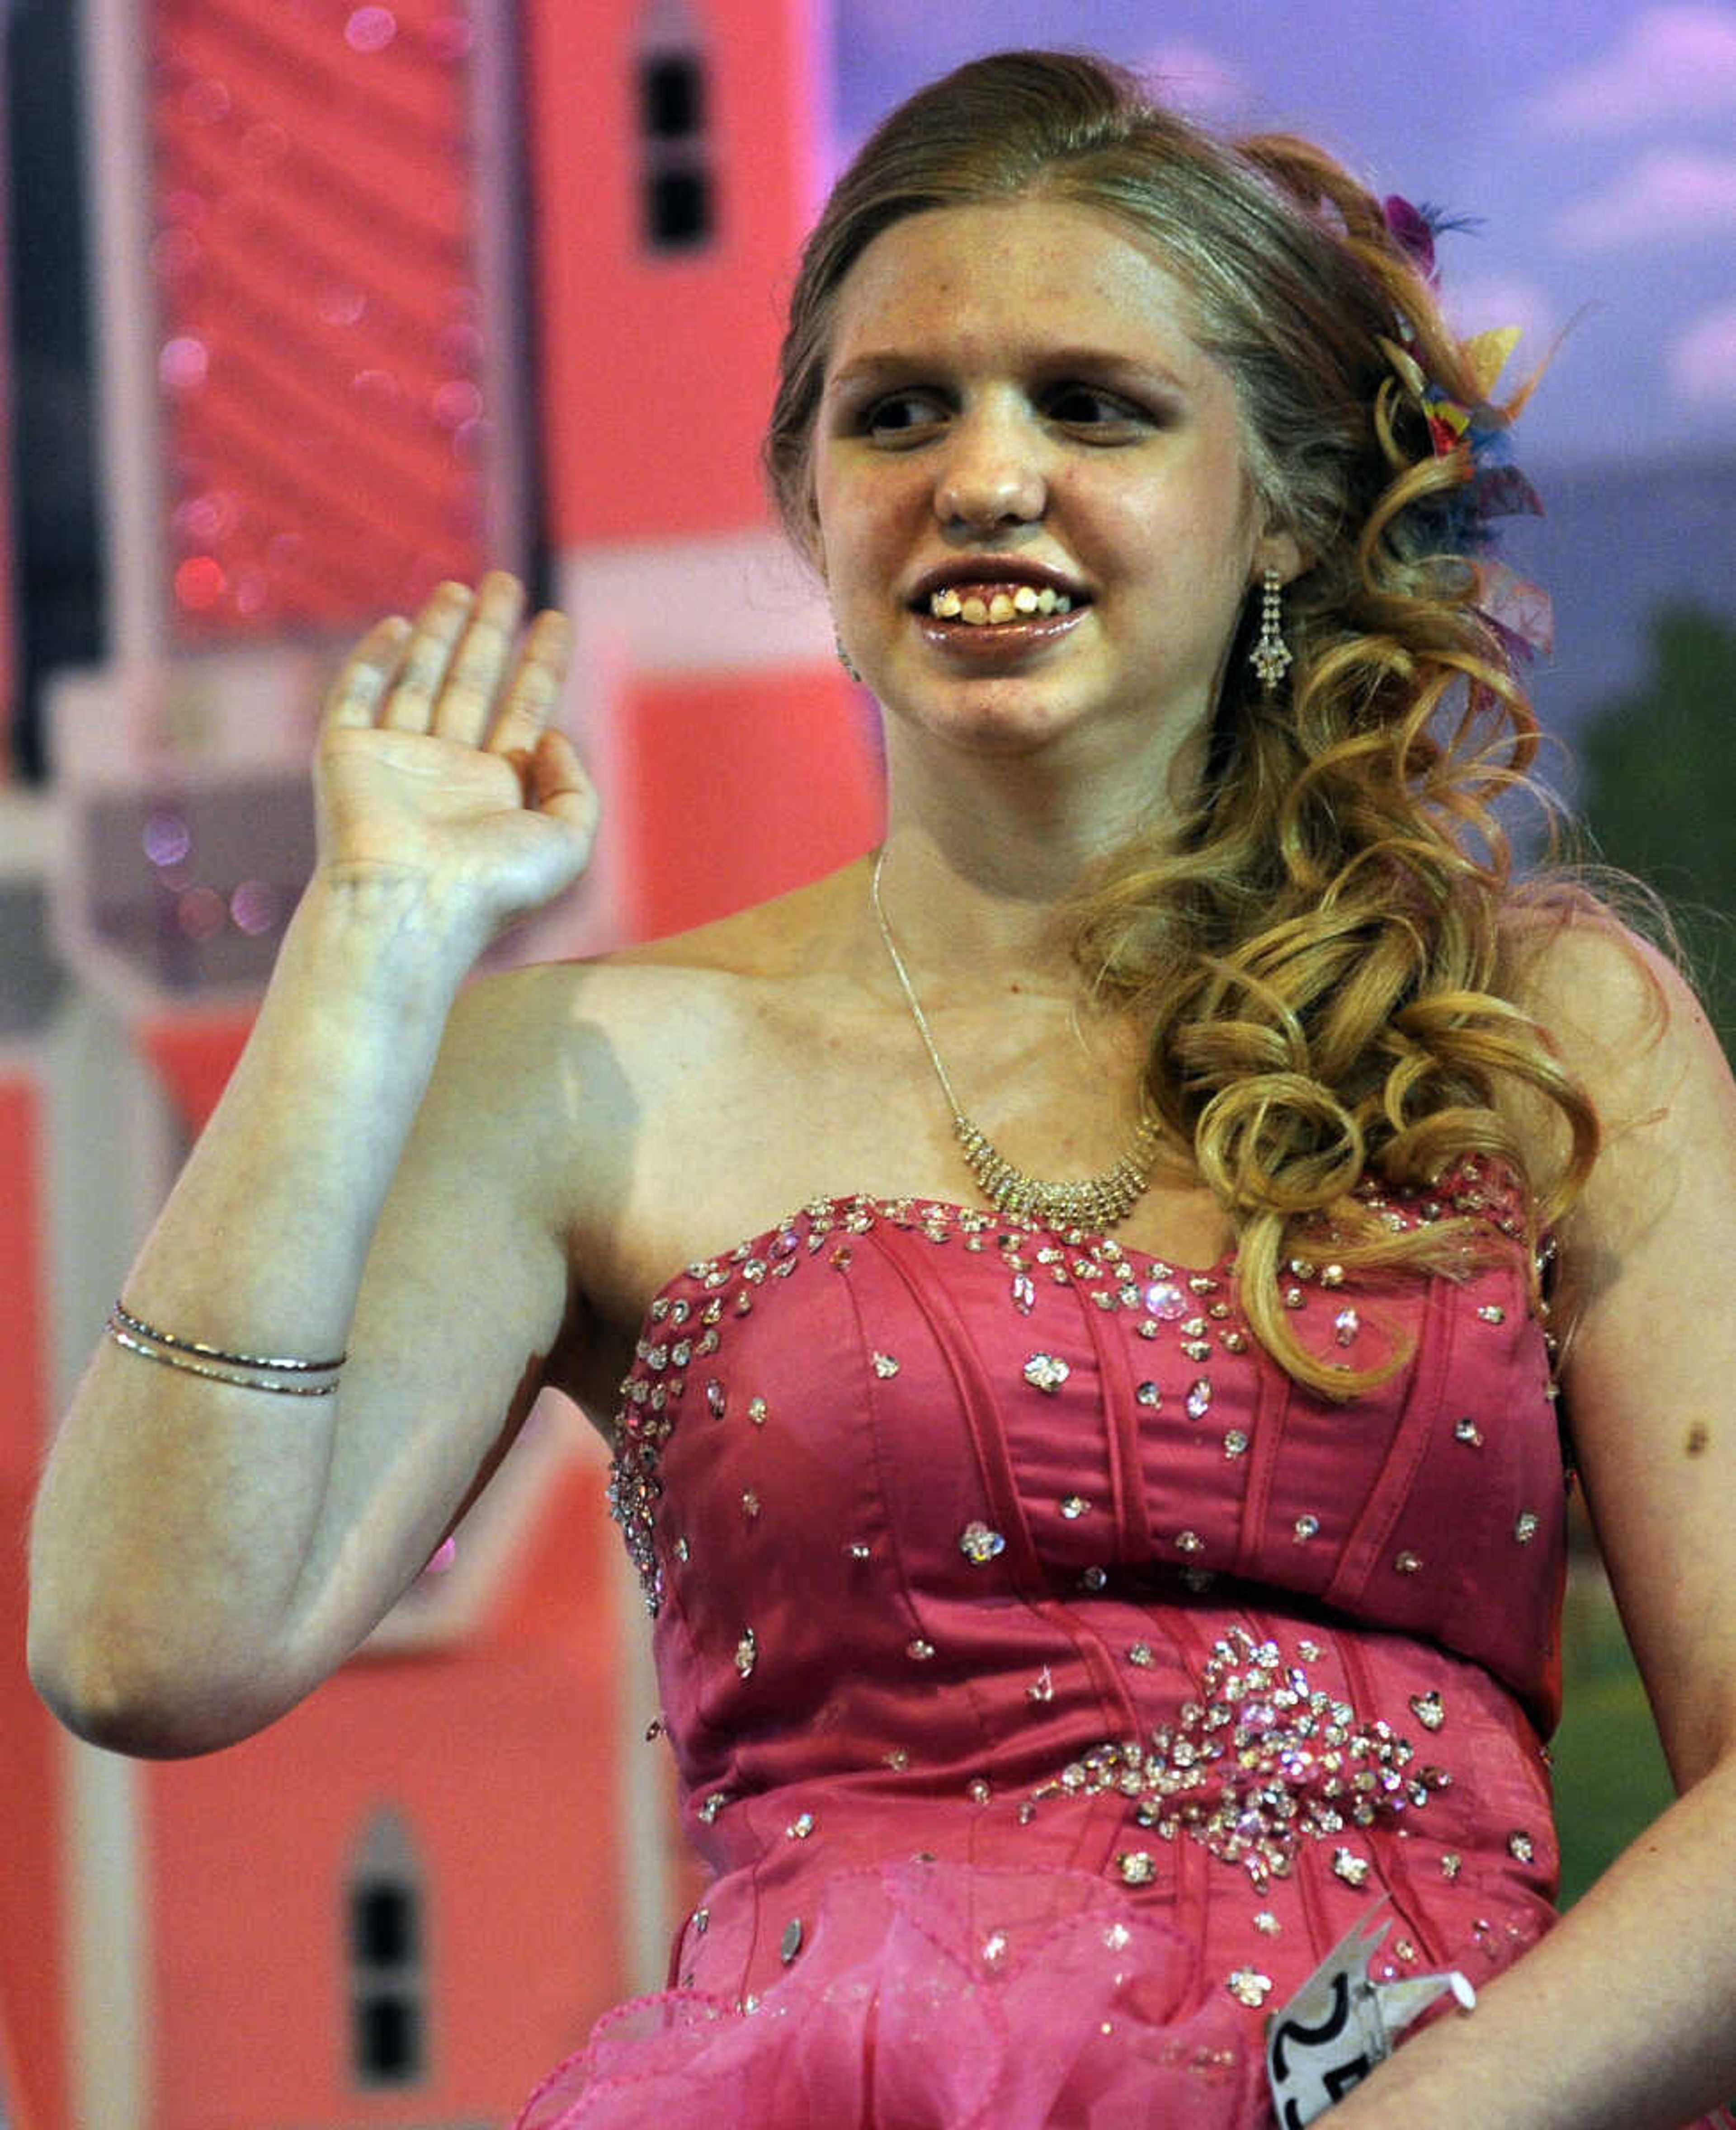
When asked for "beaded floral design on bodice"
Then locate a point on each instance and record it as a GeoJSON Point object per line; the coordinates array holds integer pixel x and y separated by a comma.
{"type": "Point", "coordinates": [1022, 1540]}
{"type": "Point", "coordinates": [1264, 1759]}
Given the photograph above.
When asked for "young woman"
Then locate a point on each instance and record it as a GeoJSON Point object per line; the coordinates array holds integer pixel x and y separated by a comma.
{"type": "Point", "coordinates": [1104, 1524]}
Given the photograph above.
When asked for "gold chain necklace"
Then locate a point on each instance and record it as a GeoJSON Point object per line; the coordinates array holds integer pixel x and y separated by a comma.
{"type": "Point", "coordinates": [1093, 1203]}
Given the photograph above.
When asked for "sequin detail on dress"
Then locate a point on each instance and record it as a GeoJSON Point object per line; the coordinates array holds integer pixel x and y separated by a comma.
{"type": "Point", "coordinates": [652, 1394]}
{"type": "Point", "coordinates": [1261, 1761]}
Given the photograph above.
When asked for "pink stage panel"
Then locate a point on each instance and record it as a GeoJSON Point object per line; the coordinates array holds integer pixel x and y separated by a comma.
{"type": "Point", "coordinates": [743, 786]}
{"type": "Point", "coordinates": [657, 358]}
{"type": "Point", "coordinates": [325, 423]}
{"type": "Point", "coordinates": [32, 1951]}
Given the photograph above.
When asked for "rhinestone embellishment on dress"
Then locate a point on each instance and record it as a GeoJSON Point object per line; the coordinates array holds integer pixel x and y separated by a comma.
{"type": "Point", "coordinates": [1352, 1869]}
{"type": "Point", "coordinates": [979, 1544]}
{"type": "Point", "coordinates": [1046, 1373]}
{"type": "Point", "coordinates": [1259, 1760]}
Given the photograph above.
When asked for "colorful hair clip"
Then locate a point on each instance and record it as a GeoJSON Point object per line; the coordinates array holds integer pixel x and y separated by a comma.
{"type": "Point", "coordinates": [1462, 523]}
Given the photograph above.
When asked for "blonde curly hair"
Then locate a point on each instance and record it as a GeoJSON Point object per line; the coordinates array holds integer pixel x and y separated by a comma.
{"type": "Point", "coordinates": [1324, 952]}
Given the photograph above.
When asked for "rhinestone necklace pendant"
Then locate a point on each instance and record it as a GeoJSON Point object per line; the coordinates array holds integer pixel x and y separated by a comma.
{"type": "Point", "coordinates": [1090, 1204]}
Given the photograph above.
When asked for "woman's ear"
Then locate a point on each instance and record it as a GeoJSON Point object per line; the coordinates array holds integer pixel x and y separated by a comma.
{"type": "Point", "coordinates": [811, 544]}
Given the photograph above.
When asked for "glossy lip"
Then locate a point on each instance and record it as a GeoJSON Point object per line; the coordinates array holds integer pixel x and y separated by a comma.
{"type": "Point", "coordinates": [999, 642]}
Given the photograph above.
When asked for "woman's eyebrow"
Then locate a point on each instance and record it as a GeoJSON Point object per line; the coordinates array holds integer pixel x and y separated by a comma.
{"type": "Point", "coordinates": [874, 364]}
{"type": "Point", "coordinates": [1104, 361]}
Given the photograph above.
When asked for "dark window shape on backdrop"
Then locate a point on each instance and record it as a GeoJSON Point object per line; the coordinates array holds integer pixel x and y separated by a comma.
{"type": "Point", "coordinates": [385, 1933]}
{"type": "Point", "coordinates": [677, 185]}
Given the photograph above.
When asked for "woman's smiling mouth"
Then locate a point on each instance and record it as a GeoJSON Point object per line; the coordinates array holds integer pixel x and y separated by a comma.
{"type": "Point", "coordinates": [994, 623]}
{"type": "Point", "coordinates": [990, 606]}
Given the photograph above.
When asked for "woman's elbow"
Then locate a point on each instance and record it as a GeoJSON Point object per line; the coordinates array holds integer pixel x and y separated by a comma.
{"type": "Point", "coordinates": [113, 1697]}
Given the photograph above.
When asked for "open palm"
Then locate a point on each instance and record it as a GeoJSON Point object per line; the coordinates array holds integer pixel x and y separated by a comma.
{"type": "Point", "coordinates": [438, 768]}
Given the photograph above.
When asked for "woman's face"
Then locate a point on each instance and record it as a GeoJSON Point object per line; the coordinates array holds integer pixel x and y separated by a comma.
{"type": "Point", "coordinates": [1017, 421]}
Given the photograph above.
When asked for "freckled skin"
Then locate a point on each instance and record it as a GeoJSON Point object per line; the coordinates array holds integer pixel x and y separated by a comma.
{"type": "Point", "coordinates": [1022, 379]}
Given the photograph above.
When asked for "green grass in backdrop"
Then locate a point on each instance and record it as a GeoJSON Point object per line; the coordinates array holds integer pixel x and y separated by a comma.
{"type": "Point", "coordinates": [1610, 1780]}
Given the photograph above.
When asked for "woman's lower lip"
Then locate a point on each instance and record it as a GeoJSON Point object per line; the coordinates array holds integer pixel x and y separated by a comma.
{"type": "Point", "coordinates": [998, 642]}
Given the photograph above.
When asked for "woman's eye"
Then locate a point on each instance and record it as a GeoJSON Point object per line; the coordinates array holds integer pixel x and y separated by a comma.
{"type": "Point", "coordinates": [900, 414]}
{"type": "Point", "coordinates": [1084, 406]}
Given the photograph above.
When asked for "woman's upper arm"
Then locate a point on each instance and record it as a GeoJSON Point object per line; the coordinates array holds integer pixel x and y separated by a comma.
{"type": "Point", "coordinates": [1644, 1309]}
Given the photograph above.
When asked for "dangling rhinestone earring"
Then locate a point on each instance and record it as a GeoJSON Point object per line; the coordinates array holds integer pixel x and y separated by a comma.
{"type": "Point", "coordinates": [849, 663]}
{"type": "Point", "coordinates": [1271, 656]}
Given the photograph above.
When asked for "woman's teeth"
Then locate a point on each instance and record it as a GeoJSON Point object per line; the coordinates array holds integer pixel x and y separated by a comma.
{"type": "Point", "coordinates": [948, 606]}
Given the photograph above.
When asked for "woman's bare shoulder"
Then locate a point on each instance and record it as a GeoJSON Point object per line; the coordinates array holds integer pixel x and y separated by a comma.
{"type": "Point", "coordinates": [708, 1009]}
{"type": "Point", "coordinates": [639, 1080]}
{"type": "Point", "coordinates": [1625, 1022]}
{"type": "Point", "coordinates": [696, 976]}
{"type": "Point", "coordinates": [1608, 997]}
{"type": "Point", "coordinates": [814, 927]}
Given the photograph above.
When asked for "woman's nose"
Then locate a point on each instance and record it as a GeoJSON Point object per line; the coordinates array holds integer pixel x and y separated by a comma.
{"type": "Point", "coordinates": [991, 474]}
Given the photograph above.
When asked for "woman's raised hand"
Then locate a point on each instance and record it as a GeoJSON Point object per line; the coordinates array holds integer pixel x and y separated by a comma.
{"type": "Point", "coordinates": [438, 773]}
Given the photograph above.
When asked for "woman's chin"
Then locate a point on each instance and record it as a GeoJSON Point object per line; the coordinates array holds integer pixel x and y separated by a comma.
{"type": "Point", "coordinates": [987, 719]}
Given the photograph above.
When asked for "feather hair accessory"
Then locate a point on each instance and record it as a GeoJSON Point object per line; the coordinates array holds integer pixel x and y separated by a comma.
{"type": "Point", "coordinates": [1475, 433]}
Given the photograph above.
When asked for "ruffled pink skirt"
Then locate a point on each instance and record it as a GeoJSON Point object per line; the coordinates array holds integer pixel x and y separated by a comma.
{"type": "Point", "coordinates": [933, 1997]}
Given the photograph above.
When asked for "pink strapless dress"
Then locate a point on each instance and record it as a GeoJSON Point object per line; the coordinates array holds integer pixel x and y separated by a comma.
{"type": "Point", "coordinates": [1053, 1681]}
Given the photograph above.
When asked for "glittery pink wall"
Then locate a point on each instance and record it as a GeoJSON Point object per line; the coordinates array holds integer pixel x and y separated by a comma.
{"type": "Point", "coordinates": [326, 426]}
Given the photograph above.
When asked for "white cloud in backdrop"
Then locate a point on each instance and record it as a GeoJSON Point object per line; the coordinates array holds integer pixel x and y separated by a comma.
{"type": "Point", "coordinates": [1702, 361]}
{"type": "Point", "coordinates": [1198, 79]}
{"type": "Point", "coordinates": [1669, 194]}
{"type": "Point", "coordinates": [1671, 63]}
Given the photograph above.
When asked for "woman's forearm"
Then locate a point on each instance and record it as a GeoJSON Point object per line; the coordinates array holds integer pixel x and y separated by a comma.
{"type": "Point", "coordinates": [1623, 2017]}
{"type": "Point", "coordinates": [177, 1510]}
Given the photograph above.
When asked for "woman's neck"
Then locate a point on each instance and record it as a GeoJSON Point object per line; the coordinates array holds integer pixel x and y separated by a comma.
{"type": "Point", "coordinates": [976, 920]}
{"type": "Point", "coordinates": [981, 865]}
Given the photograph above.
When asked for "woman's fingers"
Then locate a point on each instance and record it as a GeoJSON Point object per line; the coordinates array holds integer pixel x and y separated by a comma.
{"type": "Point", "coordinates": [453, 671]}
{"type": "Point", "coordinates": [480, 663]}
{"type": "Point", "coordinates": [439, 627]}
{"type": "Point", "coordinates": [355, 696]}
{"type": "Point", "coordinates": [557, 784]}
{"type": "Point", "coordinates": [535, 688]}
